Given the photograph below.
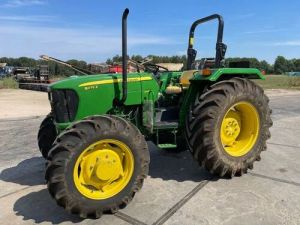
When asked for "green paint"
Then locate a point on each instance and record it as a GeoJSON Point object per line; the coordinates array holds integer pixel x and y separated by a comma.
{"type": "Point", "coordinates": [189, 98]}
{"type": "Point", "coordinates": [230, 72]}
{"type": "Point", "coordinates": [167, 146]}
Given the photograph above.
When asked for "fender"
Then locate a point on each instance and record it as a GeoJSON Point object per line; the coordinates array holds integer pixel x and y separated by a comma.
{"type": "Point", "coordinates": [217, 74]}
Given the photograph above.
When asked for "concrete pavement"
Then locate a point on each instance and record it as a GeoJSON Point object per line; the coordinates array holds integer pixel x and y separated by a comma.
{"type": "Point", "coordinates": [176, 191]}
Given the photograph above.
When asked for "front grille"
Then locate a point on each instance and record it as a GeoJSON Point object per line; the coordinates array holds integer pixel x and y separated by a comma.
{"type": "Point", "coordinates": [64, 104]}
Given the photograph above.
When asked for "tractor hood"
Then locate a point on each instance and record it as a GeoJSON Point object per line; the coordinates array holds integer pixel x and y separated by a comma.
{"type": "Point", "coordinates": [79, 96]}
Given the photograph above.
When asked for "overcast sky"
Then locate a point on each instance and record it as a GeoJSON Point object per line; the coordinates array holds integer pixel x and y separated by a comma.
{"type": "Point", "coordinates": [91, 30]}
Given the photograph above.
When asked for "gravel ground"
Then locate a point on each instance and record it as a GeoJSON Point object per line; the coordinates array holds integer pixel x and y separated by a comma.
{"type": "Point", "coordinates": [17, 103]}
{"type": "Point", "coordinates": [176, 191]}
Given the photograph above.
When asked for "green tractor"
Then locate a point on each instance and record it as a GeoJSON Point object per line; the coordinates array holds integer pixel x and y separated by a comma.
{"type": "Point", "coordinates": [95, 137]}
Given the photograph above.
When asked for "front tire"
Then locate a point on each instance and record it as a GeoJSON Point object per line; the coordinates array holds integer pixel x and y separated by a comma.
{"type": "Point", "coordinates": [46, 135]}
{"type": "Point", "coordinates": [228, 125]}
{"type": "Point", "coordinates": [97, 165]}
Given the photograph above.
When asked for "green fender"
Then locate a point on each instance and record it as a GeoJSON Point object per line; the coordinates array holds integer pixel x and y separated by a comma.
{"type": "Point", "coordinates": [251, 73]}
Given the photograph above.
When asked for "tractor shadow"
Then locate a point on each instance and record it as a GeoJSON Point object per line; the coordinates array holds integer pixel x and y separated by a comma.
{"type": "Point", "coordinates": [178, 166]}
{"type": "Point", "coordinates": [35, 205]}
{"type": "Point", "coordinates": [29, 172]}
{"type": "Point", "coordinates": [39, 207]}
{"type": "Point", "coordinates": [165, 164]}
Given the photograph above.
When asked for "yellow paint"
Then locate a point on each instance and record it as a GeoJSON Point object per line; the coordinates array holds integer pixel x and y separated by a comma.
{"type": "Point", "coordinates": [240, 129]}
{"type": "Point", "coordinates": [205, 72]}
{"type": "Point", "coordinates": [99, 82]}
{"type": "Point", "coordinates": [173, 90]}
{"type": "Point", "coordinates": [186, 76]}
{"type": "Point", "coordinates": [103, 169]}
{"type": "Point", "coordinates": [191, 41]}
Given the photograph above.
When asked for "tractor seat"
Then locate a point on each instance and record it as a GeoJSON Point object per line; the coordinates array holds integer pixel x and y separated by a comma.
{"type": "Point", "coordinates": [207, 63]}
{"type": "Point", "coordinates": [185, 78]}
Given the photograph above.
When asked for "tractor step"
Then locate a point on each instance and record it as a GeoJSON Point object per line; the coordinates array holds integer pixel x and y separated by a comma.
{"type": "Point", "coordinates": [165, 125]}
{"type": "Point", "coordinates": [167, 145]}
{"type": "Point", "coordinates": [166, 134]}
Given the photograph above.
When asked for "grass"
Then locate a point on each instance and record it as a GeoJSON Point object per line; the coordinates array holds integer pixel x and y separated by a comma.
{"type": "Point", "coordinates": [280, 82]}
{"type": "Point", "coordinates": [8, 82]}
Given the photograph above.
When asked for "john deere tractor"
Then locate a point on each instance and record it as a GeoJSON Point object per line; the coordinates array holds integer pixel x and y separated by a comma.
{"type": "Point", "coordinates": [95, 137]}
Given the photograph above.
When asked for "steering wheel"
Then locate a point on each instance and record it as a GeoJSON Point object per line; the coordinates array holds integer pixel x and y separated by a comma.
{"type": "Point", "coordinates": [153, 68]}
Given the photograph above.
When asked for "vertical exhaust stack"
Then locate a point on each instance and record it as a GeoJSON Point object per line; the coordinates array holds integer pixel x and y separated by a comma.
{"type": "Point", "coordinates": [124, 56]}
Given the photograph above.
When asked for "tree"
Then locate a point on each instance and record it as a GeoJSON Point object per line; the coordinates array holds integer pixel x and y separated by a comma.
{"type": "Point", "coordinates": [109, 61]}
{"type": "Point", "coordinates": [137, 58]}
{"type": "Point", "coordinates": [117, 59]}
{"type": "Point", "coordinates": [297, 64]}
{"type": "Point", "coordinates": [291, 65]}
{"type": "Point", "coordinates": [264, 65]}
{"type": "Point", "coordinates": [81, 64]}
{"type": "Point", "coordinates": [155, 59]}
{"type": "Point", "coordinates": [280, 65]}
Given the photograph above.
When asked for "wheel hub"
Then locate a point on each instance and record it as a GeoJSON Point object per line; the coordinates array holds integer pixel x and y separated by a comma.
{"type": "Point", "coordinates": [109, 167]}
{"type": "Point", "coordinates": [231, 127]}
{"type": "Point", "coordinates": [240, 129]}
{"type": "Point", "coordinates": [103, 169]}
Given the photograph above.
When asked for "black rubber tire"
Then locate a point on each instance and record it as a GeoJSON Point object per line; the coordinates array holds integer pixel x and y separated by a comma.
{"type": "Point", "coordinates": [70, 144]}
{"type": "Point", "coordinates": [46, 135]}
{"type": "Point", "coordinates": [203, 122]}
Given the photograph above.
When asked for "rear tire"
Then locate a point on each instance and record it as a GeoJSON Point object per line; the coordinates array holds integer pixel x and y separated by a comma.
{"type": "Point", "coordinates": [46, 135]}
{"type": "Point", "coordinates": [68, 149]}
{"type": "Point", "coordinates": [204, 122]}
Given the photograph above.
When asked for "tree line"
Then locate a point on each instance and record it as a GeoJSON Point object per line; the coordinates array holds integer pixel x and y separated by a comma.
{"type": "Point", "coordinates": [280, 66]}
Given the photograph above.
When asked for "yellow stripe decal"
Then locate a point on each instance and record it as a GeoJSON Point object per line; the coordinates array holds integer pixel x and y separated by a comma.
{"type": "Point", "coordinates": [134, 79]}
{"type": "Point", "coordinates": [191, 41]}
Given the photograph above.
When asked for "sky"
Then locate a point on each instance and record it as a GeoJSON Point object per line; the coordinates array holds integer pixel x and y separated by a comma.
{"type": "Point", "coordinates": [90, 30]}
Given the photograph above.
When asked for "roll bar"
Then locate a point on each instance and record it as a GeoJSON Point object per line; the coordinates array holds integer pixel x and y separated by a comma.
{"type": "Point", "coordinates": [220, 46]}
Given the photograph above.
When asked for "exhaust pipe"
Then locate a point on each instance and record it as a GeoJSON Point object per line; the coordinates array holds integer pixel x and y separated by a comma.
{"type": "Point", "coordinates": [124, 56]}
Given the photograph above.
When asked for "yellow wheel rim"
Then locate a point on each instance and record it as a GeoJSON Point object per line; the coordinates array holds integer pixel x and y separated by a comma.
{"type": "Point", "coordinates": [240, 129]}
{"type": "Point", "coordinates": [103, 169]}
